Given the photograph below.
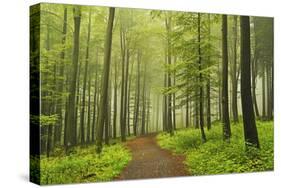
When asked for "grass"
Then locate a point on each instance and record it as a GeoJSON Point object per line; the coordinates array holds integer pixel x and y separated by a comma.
{"type": "Point", "coordinates": [84, 165]}
{"type": "Point", "coordinates": [218, 157]}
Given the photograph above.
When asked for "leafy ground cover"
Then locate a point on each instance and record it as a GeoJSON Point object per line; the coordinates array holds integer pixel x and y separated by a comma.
{"type": "Point", "coordinates": [84, 165]}
{"type": "Point", "coordinates": [218, 157]}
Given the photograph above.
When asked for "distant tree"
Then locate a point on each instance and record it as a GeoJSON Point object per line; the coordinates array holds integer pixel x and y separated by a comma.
{"type": "Point", "coordinates": [234, 73]}
{"type": "Point", "coordinates": [82, 118]}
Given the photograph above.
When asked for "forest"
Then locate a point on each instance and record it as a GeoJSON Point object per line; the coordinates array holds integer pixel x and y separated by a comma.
{"type": "Point", "coordinates": [121, 93]}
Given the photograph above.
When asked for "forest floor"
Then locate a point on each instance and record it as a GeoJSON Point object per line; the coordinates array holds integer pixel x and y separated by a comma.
{"type": "Point", "coordinates": [151, 161]}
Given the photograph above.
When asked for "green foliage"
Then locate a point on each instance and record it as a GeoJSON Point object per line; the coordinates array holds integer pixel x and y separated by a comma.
{"type": "Point", "coordinates": [84, 165]}
{"type": "Point", "coordinates": [48, 120]}
{"type": "Point", "coordinates": [217, 156]}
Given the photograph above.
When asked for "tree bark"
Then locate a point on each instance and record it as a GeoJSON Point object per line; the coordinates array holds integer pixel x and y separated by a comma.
{"type": "Point", "coordinates": [225, 111]}
{"type": "Point", "coordinates": [250, 129]}
{"type": "Point", "coordinates": [115, 102]}
{"type": "Point", "coordinates": [234, 74]}
{"type": "Point", "coordinates": [137, 94]}
{"type": "Point", "coordinates": [169, 83]}
{"type": "Point", "coordinates": [143, 101]}
{"type": "Point", "coordinates": [208, 85]}
{"type": "Point", "coordinates": [70, 126]}
{"type": "Point", "coordinates": [123, 61]}
{"type": "Point", "coordinates": [105, 78]}
{"type": "Point", "coordinates": [58, 129]}
{"type": "Point", "coordinates": [82, 118]}
{"type": "Point", "coordinates": [95, 105]}
{"type": "Point", "coordinates": [201, 110]}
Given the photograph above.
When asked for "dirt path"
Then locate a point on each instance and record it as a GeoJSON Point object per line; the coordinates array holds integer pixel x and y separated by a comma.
{"type": "Point", "coordinates": [151, 161]}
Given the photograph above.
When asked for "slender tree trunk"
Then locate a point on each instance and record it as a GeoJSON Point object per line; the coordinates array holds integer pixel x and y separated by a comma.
{"type": "Point", "coordinates": [263, 93]}
{"type": "Point", "coordinates": [165, 105]}
{"type": "Point", "coordinates": [269, 91]}
{"type": "Point", "coordinates": [143, 101]}
{"type": "Point", "coordinates": [48, 103]}
{"type": "Point", "coordinates": [115, 102]}
{"type": "Point", "coordinates": [169, 83]}
{"type": "Point", "coordinates": [157, 114]}
{"type": "Point", "coordinates": [89, 111]}
{"type": "Point", "coordinates": [129, 99]}
{"type": "Point", "coordinates": [234, 74]}
{"type": "Point", "coordinates": [148, 112]}
{"type": "Point", "coordinates": [253, 77]}
{"type": "Point", "coordinates": [70, 126]}
{"type": "Point", "coordinates": [201, 110]}
{"type": "Point", "coordinates": [105, 78]}
{"type": "Point", "coordinates": [137, 101]}
{"type": "Point", "coordinates": [95, 105]}
{"type": "Point", "coordinates": [126, 92]}
{"type": "Point", "coordinates": [208, 85]}
{"type": "Point", "coordinates": [107, 116]}
{"type": "Point", "coordinates": [187, 111]}
{"type": "Point", "coordinates": [58, 129]}
{"type": "Point", "coordinates": [123, 52]}
{"type": "Point", "coordinates": [174, 99]}
{"type": "Point", "coordinates": [196, 114]}
{"type": "Point", "coordinates": [82, 118]}
{"type": "Point", "coordinates": [225, 111]}
{"type": "Point", "coordinates": [250, 129]}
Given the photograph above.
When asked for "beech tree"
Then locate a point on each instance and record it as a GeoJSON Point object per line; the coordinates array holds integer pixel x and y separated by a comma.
{"type": "Point", "coordinates": [250, 129]}
{"type": "Point", "coordinates": [106, 70]}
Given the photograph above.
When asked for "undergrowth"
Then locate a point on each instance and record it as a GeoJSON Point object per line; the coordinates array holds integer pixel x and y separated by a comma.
{"type": "Point", "coordinates": [218, 157]}
{"type": "Point", "coordinates": [84, 165]}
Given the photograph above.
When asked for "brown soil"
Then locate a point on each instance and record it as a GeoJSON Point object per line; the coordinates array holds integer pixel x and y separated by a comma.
{"type": "Point", "coordinates": [151, 161]}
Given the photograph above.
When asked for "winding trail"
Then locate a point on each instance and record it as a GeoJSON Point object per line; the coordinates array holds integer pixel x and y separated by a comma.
{"type": "Point", "coordinates": [151, 161]}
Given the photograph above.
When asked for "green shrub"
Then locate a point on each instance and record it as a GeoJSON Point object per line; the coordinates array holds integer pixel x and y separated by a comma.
{"type": "Point", "coordinates": [218, 157]}
{"type": "Point", "coordinates": [84, 165]}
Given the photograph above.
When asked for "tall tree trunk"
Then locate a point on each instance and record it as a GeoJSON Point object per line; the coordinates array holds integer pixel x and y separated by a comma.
{"type": "Point", "coordinates": [174, 98]}
{"type": "Point", "coordinates": [250, 129]}
{"type": "Point", "coordinates": [234, 74]}
{"type": "Point", "coordinates": [143, 101]}
{"type": "Point", "coordinates": [169, 83]}
{"type": "Point", "coordinates": [129, 99]}
{"type": "Point", "coordinates": [89, 111]}
{"type": "Point", "coordinates": [269, 91]}
{"type": "Point", "coordinates": [157, 114]}
{"type": "Point", "coordinates": [148, 112]}
{"type": "Point", "coordinates": [70, 126]}
{"type": "Point", "coordinates": [82, 118]}
{"type": "Point", "coordinates": [201, 110]}
{"type": "Point", "coordinates": [208, 85]}
{"type": "Point", "coordinates": [225, 111]}
{"type": "Point", "coordinates": [165, 122]}
{"type": "Point", "coordinates": [107, 116]}
{"type": "Point", "coordinates": [95, 105]}
{"type": "Point", "coordinates": [253, 77]}
{"type": "Point", "coordinates": [187, 111]}
{"type": "Point", "coordinates": [115, 102]}
{"type": "Point", "coordinates": [263, 93]}
{"type": "Point", "coordinates": [58, 129]}
{"type": "Point", "coordinates": [126, 91]}
{"type": "Point", "coordinates": [123, 61]}
{"type": "Point", "coordinates": [105, 78]}
{"type": "Point", "coordinates": [137, 97]}
{"type": "Point", "coordinates": [196, 113]}
{"type": "Point", "coordinates": [48, 103]}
